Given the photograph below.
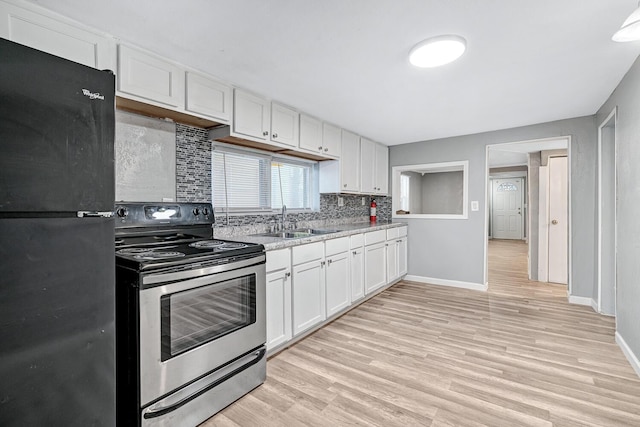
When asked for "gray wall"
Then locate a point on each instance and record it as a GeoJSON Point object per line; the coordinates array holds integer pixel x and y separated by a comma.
{"type": "Point", "coordinates": [626, 97]}
{"type": "Point", "coordinates": [454, 249]}
{"type": "Point", "coordinates": [442, 193]}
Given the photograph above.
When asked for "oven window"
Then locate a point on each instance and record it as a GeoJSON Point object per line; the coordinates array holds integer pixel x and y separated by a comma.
{"type": "Point", "coordinates": [196, 316]}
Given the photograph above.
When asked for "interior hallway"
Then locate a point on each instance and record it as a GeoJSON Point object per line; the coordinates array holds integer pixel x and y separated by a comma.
{"type": "Point", "coordinates": [426, 355]}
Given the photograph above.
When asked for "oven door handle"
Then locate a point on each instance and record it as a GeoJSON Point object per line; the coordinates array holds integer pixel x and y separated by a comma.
{"type": "Point", "coordinates": [158, 409]}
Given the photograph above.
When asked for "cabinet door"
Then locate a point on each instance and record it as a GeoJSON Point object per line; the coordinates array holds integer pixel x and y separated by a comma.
{"type": "Point", "coordinates": [381, 169]}
{"type": "Point", "coordinates": [375, 275]}
{"type": "Point", "coordinates": [208, 97]}
{"type": "Point", "coordinates": [310, 134]}
{"type": "Point", "coordinates": [392, 260]}
{"type": "Point", "coordinates": [367, 166]}
{"type": "Point", "coordinates": [308, 295]}
{"type": "Point", "coordinates": [402, 256]}
{"type": "Point", "coordinates": [337, 282]}
{"type": "Point", "coordinates": [331, 140]}
{"type": "Point", "coordinates": [56, 37]}
{"type": "Point", "coordinates": [357, 273]}
{"type": "Point", "coordinates": [251, 115]}
{"type": "Point", "coordinates": [278, 308]}
{"type": "Point", "coordinates": [284, 125]}
{"type": "Point", "coordinates": [350, 162]}
{"type": "Point", "coordinates": [147, 76]}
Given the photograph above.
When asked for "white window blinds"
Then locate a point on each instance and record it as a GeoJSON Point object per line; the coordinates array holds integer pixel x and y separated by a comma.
{"type": "Point", "coordinates": [252, 182]}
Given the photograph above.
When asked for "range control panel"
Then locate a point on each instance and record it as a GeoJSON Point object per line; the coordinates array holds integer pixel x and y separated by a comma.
{"type": "Point", "coordinates": [142, 214]}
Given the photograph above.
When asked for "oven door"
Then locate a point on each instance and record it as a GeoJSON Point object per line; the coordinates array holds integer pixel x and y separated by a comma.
{"type": "Point", "coordinates": [194, 321]}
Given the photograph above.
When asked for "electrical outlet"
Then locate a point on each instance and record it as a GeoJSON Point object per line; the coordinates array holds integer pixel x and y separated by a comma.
{"type": "Point", "coordinates": [340, 201]}
{"type": "Point", "coordinates": [363, 201]}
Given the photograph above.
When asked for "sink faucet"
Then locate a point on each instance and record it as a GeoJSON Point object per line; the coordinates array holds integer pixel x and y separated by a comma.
{"type": "Point", "coordinates": [284, 216]}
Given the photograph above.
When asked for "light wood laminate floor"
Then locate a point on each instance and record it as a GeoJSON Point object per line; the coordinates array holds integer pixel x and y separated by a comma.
{"type": "Point", "coordinates": [423, 355]}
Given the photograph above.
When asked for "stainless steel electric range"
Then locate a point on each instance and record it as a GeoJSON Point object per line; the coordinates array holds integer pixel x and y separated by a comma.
{"type": "Point", "coordinates": [190, 315]}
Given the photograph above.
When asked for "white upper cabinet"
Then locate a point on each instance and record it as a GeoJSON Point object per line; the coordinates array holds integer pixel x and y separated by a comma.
{"type": "Point", "coordinates": [34, 28]}
{"type": "Point", "coordinates": [331, 136]}
{"type": "Point", "coordinates": [374, 159]}
{"type": "Point", "coordinates": [251, 116]}
{"type": "Point", "coordinates": [284, 125]}
{"type": "Point", "coordinates": [367, 165]}
{"type": "Point", "coordinates": [310, 134]}
{"type": "Point", "coordinates": [381, 171]}
{"type": "Point", "coordinates": [350, 162]}
{"type": "Point", "coordinates": [150, 77]}
{"type": "Point", "coordinates": [208, 97]}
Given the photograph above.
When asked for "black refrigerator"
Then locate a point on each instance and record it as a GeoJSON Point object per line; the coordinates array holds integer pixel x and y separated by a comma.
{"type": "Point", "coordinates": [57, 273]}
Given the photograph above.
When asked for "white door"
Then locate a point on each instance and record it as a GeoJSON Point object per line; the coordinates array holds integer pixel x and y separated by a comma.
{"type": "Point", "coordinates": [278, 308]}
{"type": "Point", "coordinates": [338, 291]}
{"type": "Point", "coordinates": [375, 267]}
{"type": "Point", "coordinates": [507, 208]}
{"type": "Point", "coordinates": [308, 295]}
{"type": "Point", "coordinates": [357, 273]}
{"type": "Point", "coordinates": [558, 220]}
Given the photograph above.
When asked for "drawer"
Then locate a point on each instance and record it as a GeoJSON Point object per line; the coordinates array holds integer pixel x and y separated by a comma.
{"type": "Point", "coordinates": [392, 233]}
{"type": "Point", "coordinates": [357, 241]}
{"type": "Point", "coordinates": [402, 231]}
{"type": "Point", "coordinates": [308, 252]}
{"type": "Point", "coordinates": [375, 237]}
{"type": "Point", "coordinates": [335, 246]}
{"type": "Point", "coordinates": [278, 259]}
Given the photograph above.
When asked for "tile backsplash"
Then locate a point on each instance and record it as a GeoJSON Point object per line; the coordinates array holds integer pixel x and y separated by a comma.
{"type": "Point", "coordinates": [193, 184]}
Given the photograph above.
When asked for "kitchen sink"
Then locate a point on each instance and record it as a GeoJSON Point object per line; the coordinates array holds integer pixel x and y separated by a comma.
{"type": "Point", "coordinates": [316, 231]}
{"type": "Point", "coordinates": [298, 233]}
{"type": "Point", "coordinates": [286, 234]}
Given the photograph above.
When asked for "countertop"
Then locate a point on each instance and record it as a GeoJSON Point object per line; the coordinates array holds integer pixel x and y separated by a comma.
{"type": "Point", "coordinates": [271, 243]}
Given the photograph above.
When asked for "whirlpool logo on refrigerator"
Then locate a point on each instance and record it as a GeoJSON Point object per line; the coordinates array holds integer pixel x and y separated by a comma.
{"type": "Point", "coordinates": [92, 95]}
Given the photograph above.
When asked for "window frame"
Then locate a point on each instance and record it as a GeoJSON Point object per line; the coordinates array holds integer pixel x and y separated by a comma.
{"type": "Point", "coordinates": [271, 158]}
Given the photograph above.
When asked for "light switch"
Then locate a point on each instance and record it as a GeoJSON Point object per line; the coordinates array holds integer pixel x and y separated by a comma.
{"type": "Point", "coordinates": [474, 205]}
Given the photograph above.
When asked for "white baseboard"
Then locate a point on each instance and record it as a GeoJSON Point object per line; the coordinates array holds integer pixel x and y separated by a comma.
{"type": "Point", "coordinates": [632, 358]}
{"type": "Point", "coordinates": [445, 282]}
{"type": "Point", "coordinates": [583, 301]}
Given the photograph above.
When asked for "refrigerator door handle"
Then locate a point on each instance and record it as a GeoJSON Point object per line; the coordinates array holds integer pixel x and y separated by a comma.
{"type": "Point", "coordinates": [103, 214]}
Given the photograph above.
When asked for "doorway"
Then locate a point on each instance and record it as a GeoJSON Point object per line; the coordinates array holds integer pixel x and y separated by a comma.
{"type": "Point", "coordinates": [533, 156]}
{"type": "Point", "coordinates": [507, 217]}
{"type": "Point", "coordinates": [606, 248]}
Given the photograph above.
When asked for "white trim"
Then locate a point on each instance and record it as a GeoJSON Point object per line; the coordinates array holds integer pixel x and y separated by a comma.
{"type": "Point", "coordinates": [594, 305]}
{"type": "Point", "coordinates": [612, 116]}
{"type": "Point", "coordinates": [461, 165]}
{"type": "Point", "coordinates": [589, 302]}
{"type": "Point", "coordinates": [570, 243]}
{"type": "Point", "coordinates": [626, 350]}
{"type": "Point", "coordinates": [543, 221]}
{"type": "Point", "coordinates": [446, 282]}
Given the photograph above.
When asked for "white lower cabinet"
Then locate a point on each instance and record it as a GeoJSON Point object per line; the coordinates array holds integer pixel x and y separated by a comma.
{"type": "Point", "coordinates": [391, 248]}
{"type": "Point", "coordinates": [308, 289]}
{"type": "Point", "coordinates": [357, 267]}
{"type": "Point", "coordinates": [402, 256]}
{"type": "Point", "coordinates": [278, 297]}
{"type": "Point", "coordinates": [375, 263]}
{"type": "Point", "coordinates": [337, 275]}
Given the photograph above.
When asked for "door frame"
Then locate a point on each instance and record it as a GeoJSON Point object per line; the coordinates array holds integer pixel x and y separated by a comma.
{"type": "Point", "coordinates": [613, 115]}
{"type": "Point", "coordinates": [487, 213]}
{"type": "Point", "coordinates": [523, 200]}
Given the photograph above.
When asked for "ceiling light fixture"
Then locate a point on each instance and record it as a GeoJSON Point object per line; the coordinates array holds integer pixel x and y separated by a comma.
{"type": "Point", "coordinates": [437, 51]}
{"type": "Point", "coordinates": [630, 29]}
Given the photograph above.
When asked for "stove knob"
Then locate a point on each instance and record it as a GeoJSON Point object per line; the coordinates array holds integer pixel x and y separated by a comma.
{"type": "Point", "coordinates": [121, 212]}
{"type": "Point", "coordinates": [196, 211]}
{"type": "Point", "coordinates": [205, 211]}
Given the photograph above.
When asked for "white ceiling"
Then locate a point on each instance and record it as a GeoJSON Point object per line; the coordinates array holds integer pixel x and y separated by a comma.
{"type": "Point", "coordinates": [346, 61]}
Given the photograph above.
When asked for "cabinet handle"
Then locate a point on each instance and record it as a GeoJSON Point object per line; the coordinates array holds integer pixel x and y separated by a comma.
{"type": "Point", "coordinates": [275, 135]}
{"type": "Point", "coordinates": [322, 263]}
{"type": "Point", "coordinates": [329, 262]}
{"type": "Point", "coordinates": [386, 244]}
{"type": "Point", "coordinates": [326, 149]}
{"type": "Point", "coordinates": [355, 253]}
{"type": "Point", "coordinates": [320, 148]}
{"type": "Point", "coordinates": [398, 241]}
{"type": "Point", "coordinates": [345, 185]}
{"type": "Point", "coordinates": [265, 133]}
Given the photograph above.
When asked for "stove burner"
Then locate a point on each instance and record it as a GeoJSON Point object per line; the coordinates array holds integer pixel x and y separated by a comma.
{"type": "Point", "coordinates": [207, 244]}
{"type": "Point", "coordinates": [231, 245]}
{"type": "Point", "coordinates": [151, 255]}
{"type": "Point", "coordinates": [131, 251]}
